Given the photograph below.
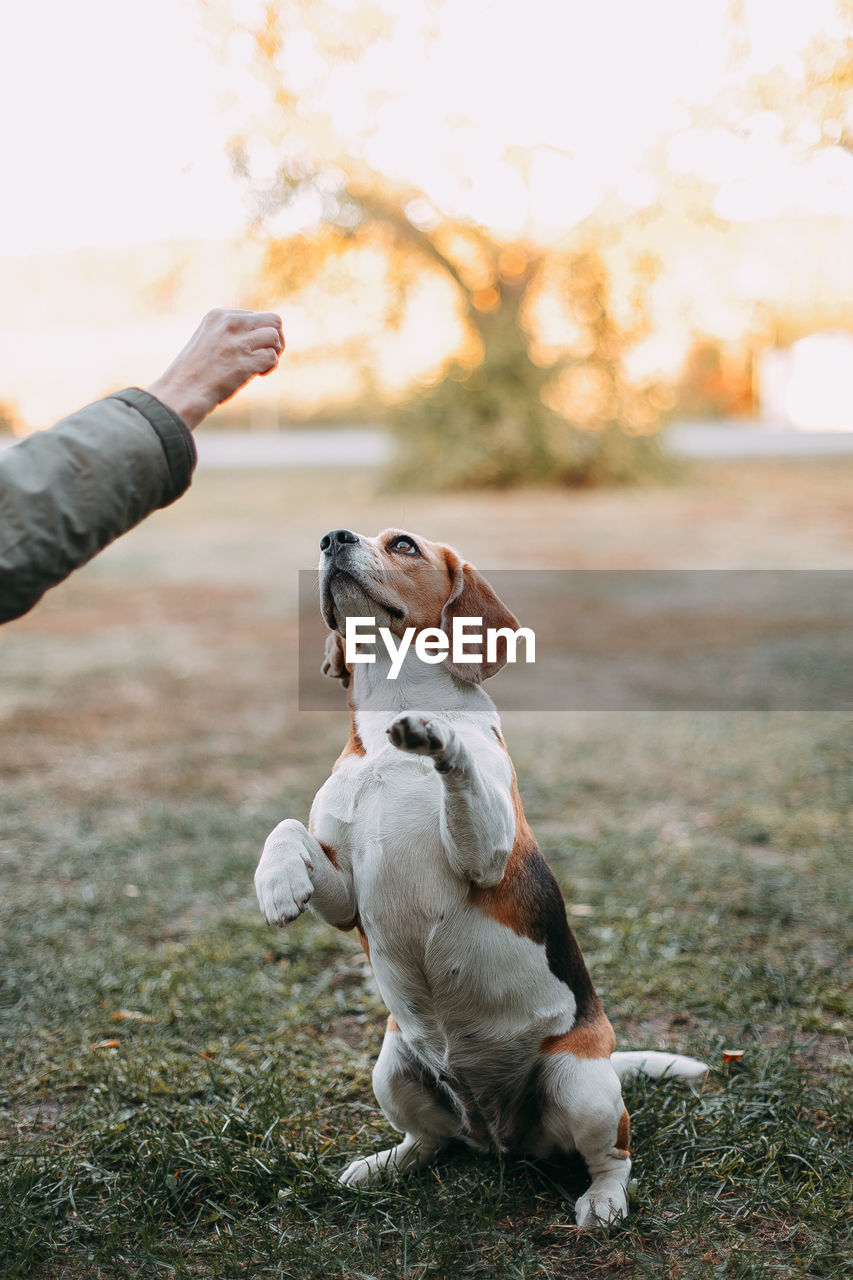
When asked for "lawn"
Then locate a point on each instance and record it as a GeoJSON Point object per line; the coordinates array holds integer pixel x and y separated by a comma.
{"type": "Point", "coordinates": [181, 1083]}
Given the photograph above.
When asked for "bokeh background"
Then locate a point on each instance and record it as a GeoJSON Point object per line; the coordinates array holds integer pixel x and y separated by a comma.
{"type": "Point", "coordinates": [567, 286]}
{"type": "Point", "coordinates": [561, 228]}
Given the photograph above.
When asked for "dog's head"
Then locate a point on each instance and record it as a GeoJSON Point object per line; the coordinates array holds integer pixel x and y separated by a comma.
{"type": "Point", "coordinates": [403, 580]}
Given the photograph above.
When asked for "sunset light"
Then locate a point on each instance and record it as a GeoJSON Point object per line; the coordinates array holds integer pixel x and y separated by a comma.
{"type": "Point", "coordinates": [528, 122]}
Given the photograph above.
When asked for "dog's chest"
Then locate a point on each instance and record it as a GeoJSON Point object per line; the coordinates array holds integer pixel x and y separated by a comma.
{"type": "Point", "coordinates": [384, 819]}
{"type": "Point", "coordinates": [381, 814]}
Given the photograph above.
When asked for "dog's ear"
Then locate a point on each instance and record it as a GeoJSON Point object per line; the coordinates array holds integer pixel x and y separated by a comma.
{"type": "Point", "coordinates": [472, 597]}
{"type": "Point", "coordinates": [334, 665]}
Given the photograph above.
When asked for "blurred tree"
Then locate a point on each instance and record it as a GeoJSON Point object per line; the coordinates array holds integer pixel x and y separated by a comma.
{"type": "Point", "coordinates": [715, 382]}
{"type": "Point", "coordinates": [8, 418]}
{"type": "Point", "coordinates": [815, 105]}
{"type": "Point", "coordinates": [505, 407]}
{"type": "Point", "coordinates": [519, 412]}
{"type": "Point", "coordinates": [828, 82]}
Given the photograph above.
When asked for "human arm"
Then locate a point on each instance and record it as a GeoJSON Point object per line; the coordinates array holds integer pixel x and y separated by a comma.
{"type": "Point", "coordinates": [68, 492]}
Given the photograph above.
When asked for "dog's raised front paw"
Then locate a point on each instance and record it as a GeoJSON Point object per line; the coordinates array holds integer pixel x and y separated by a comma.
{"type": "Point", "coordinates": [283, 881]}
{"type": "Point", "coordinates": [283, 892]}
{"type": "Point", "coordinates": [422, 736]}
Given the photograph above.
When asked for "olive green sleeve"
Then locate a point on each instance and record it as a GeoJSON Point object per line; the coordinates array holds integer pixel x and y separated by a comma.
{"type": "Point", "coordinates": [68, 492]}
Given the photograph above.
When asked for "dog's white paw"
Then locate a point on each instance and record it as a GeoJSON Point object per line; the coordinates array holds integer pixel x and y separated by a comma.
{"type": "Point", "coordinates": [414, 1151]}
{"type": "Point", "coordinates": [422, 736]}
{"type": "Point", "coordinates": [599, 1207]}
{"type": "Point", "coordinates": [284, 896]}
{"type": "Point", "coordinates": [283, 881]}
{"type": "Point", "coordinates": [363, 1171]}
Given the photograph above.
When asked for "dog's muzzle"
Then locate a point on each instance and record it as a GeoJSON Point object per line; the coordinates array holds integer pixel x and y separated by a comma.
{"type": "Point", "coordinates": [337, 541]}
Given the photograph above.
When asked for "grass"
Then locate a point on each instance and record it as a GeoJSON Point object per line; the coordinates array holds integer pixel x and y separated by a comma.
{"type": "Point", "coordinates": [149, 740]}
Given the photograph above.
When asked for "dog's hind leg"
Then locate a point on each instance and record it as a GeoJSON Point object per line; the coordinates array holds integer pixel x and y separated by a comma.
{"type": "Point", "coordinates": [412, 1100]}
{"type": "Point", "coordinates": [583, 1111]}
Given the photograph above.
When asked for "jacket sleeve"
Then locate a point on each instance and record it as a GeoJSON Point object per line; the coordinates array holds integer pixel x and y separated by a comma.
{"type": "Point", "coordinates": [68, 492]}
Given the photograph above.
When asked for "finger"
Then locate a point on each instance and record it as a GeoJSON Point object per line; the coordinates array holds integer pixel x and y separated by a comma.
{"type": "Point", "coordinates": [264, 360]}
{"type": "Point", "coordinates": [264, 320]}
{"type": "Point", "coordinates": [266, 337]}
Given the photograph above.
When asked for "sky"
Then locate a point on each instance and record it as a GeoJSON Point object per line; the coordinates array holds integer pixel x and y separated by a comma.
{"type": "Point", "coordinates": [113, 132]}
{"type": "Point", "coordinates": [117, 116]}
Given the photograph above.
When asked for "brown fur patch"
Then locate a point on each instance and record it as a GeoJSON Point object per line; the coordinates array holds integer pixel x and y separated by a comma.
{"type": "Point", "coordinates": [588, 1038]}
{"type": "Point", "coordinates": [472, 597]}
{"type": "Point", "coordinates": [514, 902]}
{"type": "Point", "coordinates": [330, 853]}
{"type": "Point", "coordinates": [362, 937]}
{"type": "Point", "coordinates": [528, 901]}
{"type": "Point", "coordinates": [623, 1136]}
{"type": "Point", "coordinates": [391, 1025]}
{"type": "Point", "coordinates": [353, 746]}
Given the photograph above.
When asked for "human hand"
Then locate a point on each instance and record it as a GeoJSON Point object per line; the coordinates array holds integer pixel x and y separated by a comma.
{"type": "Point", "coordinates": [227, 350]}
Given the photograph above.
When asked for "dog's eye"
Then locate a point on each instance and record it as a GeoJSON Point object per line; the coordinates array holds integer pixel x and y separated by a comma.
{"type": "Point", "coordinates": [404, 545]}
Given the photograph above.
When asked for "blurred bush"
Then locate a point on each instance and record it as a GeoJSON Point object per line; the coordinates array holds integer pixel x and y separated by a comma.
{"type": "Point", "coordinates": [569, 417]}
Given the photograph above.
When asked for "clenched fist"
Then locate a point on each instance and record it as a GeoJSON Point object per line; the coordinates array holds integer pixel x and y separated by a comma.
{"type": "Point", "coordinates": [227, 350]}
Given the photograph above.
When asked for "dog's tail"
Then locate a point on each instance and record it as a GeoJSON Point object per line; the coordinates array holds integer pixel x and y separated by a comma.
{"type": "Point", "coordinates": [649, 1062]}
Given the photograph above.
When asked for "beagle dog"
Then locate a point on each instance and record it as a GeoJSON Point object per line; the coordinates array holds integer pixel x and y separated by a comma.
{"type": "Point", "coordinates": [418, 841]}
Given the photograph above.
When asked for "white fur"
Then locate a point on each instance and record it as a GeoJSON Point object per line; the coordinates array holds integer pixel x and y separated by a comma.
{"type": "Point", "coordinates": [423, 815]}
{"type": "Point", "coordinates": [648, 1062]}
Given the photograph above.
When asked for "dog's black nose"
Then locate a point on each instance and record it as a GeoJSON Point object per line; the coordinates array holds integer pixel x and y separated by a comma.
{"type": "Point", "coordinates": [331, 541]}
